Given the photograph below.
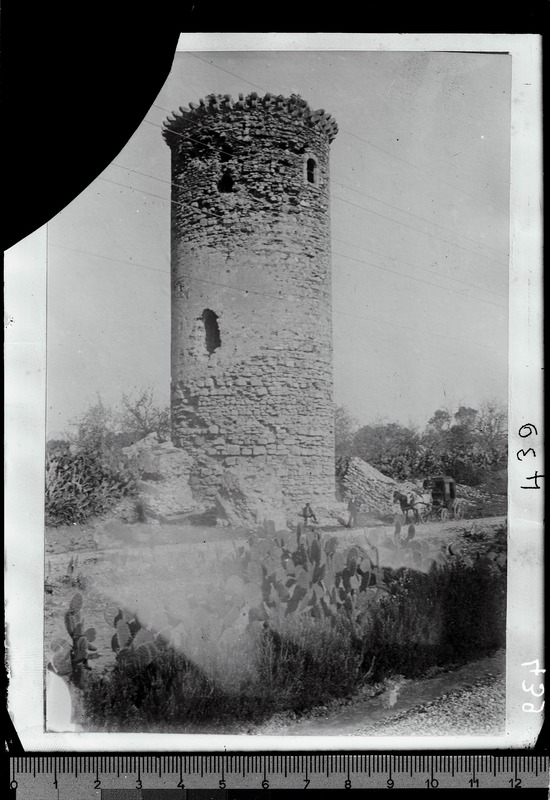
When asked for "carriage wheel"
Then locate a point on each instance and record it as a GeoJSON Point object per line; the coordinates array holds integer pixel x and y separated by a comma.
{"type": "Point", "coordinates": [459, 511]}
{"type": "Point", "coordinates": [425, 513]}
{"type": "Point", "coordinates": [444, 514]}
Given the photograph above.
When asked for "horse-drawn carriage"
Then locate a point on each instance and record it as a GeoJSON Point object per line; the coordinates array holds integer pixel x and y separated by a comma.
{"type": "Point", "coordinates": [445, 503]}
{"type": "Point", "coordinates": [437, 500]}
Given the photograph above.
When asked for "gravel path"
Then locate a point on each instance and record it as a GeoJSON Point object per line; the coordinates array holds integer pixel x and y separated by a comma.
{"type": "Point", "coordinates": [476, 710]}
{"type": "Point", "coordinates": [466, 701]}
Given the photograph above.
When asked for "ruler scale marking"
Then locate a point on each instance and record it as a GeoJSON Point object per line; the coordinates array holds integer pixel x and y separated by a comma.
{"type": "Point", "coordinates": [296, 770]}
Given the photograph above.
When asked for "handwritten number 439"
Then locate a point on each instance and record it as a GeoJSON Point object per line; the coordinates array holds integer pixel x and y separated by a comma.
{"type": "Point", "coordinates": [529, 707]}
{"type": "Point", "coordinates": [527, 430]}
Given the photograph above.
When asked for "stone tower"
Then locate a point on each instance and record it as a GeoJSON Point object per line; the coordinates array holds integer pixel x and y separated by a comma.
{"type": "Point", "coordinates": [251, 291]}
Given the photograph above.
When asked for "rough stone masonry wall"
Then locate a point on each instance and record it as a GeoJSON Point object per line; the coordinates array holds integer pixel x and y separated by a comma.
{"type": "Point", "coordinates": [251, 247]}
{"type": "Point", "coordinates": [374, 490]}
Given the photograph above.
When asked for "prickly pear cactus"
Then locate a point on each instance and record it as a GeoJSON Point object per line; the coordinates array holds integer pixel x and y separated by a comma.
{"type": "Point", "coordinates": [71, 658]}
{"type": "Point", "coordinates": [132, 643]}
{"type": "Point", "coordinates": [300, 574]}
{"type": "Point", "coordinates": [276, 575]}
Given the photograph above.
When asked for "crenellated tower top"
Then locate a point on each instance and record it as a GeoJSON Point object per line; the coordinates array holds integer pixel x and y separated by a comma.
{"type": "Point", "coordinates": [293, 106]}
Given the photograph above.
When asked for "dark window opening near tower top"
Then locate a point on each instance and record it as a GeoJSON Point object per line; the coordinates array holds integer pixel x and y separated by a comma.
{"type": "Point", "coordinates": [311, 171]}
{"type": "Point", "coordinates": [211, 330]}
{"type": "Point", "coordinates": [226, 153]}
{"type": "Point", "coordinates": [226, 182]}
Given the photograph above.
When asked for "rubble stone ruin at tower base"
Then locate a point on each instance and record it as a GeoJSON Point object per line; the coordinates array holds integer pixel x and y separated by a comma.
{"type": "Point", "coordinates": [251, 337]}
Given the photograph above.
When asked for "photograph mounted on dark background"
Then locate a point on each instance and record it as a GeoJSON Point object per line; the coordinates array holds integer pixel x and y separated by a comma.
{"type": "Point", "coordinates": [285, 388]}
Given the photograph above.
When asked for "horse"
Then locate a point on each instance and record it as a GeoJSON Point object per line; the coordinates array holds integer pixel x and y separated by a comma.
{"type": "Point", "coordinates": [419, 503]}
{"type": "Point", "coordinates": [405, 501]}
{"type": "Point", "coordinates": [422, 504]}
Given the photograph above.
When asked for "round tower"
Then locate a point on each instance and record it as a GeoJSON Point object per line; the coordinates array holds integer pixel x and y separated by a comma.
{"type": "Point", "coordinates": [251, 291]}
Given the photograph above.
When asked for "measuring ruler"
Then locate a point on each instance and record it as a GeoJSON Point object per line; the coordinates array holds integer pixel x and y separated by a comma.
{"type": "Point", "coordinates": [140, 777]}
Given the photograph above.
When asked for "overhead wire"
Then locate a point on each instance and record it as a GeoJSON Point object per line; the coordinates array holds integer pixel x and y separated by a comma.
{"type": "Point", "coordinates": [384, 255]}
{"type": "Point", "coordinates": [281, 298]}
{"type": "Point", "coordinates": [366, 141]}
{"type": "Point", "coordinates": [377, 252]}
{"type": "Point", "coordinates": [412, 227]}
{"type": "Point", "coordinates": [376, 266]}
{"type": "Point", "coordinates": [421, 169]}
{"type": "Point", "coordinates": [417, 266]}
{"type": "Point", "coordinates": [417, 216]}
{"type": "Point", "coordinates": [346, 186]}
{"type": "Point", "coordinates": [420, 280]}
{"type": "Point", "coordinates": [334, 238]}
{"type": "Point", "coordinates": [398, 222]}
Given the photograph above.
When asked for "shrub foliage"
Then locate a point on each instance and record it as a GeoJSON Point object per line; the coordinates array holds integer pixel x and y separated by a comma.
{"type": "Point", "coordinates": [470, 445]}
{"type": "Point", "coordinates": [84, 483]}
{"type": "Point", "coordinates": [294, 623]}
{"type": "Point", "coordinates": [88, 472]}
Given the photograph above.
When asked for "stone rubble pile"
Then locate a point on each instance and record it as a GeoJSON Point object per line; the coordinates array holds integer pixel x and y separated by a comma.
{"type": "Point", "coordinates": [251, 495]}
{"type": "Point", "coordinates": [470, 493]}
{"type": "Point", "coordinates": [373, 489]}
{"type": "Point", "coordinates": [494, 504]}
{"type": "Point", "coordinates": [163, 487]}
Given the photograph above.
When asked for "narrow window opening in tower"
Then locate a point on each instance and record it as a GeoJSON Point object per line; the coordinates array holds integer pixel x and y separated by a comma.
{"type": "Point", "coordinates": [226, 182]}
{"type": "Point", "coordinates": [311, 168]}
{"type": "Point", "coordinates": [226, 153]}
{"type": "Point", "coordinates": [211, 330]}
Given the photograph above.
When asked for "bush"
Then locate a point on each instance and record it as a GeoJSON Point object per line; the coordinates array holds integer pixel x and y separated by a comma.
{"type": "Point", "coordinates": [87, 473]}
{"type": "Point", "coordinates": [84, 483]}
{"type": "Point", "coordinates": [451, 615]}
{"type": "Point", "coordinates": [293, 623]}
{"type": "Point", "coordinates": [134, 696]}
{"type": "Point", "coordinates": [467, 445]}
{"type": "Point", "coordinates": [256, 676]}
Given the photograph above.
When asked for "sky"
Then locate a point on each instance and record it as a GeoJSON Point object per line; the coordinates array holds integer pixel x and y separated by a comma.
{"type": "Point", "coordinates": [420, 224]}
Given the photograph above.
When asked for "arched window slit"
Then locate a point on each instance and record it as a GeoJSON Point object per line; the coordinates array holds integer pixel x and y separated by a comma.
{"type": "Point", "coordinates": [311, 170]}
{"type": "Point", "coordinates": [226, 182]}
{"type": "Point", "coordinates": [211, 330]}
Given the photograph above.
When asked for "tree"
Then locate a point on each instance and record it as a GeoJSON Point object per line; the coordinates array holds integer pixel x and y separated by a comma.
{"type": "Point", "coordinates": [492, 424]}
{"type": "Point", "coordinates": [466, 418]}
{"type": "Point", "coordinates": [470, 444]}
{"type": "Point", "coordinates": [96, 429]}
{"type": "Point", "coordinates": [492, 428]}
{"type": "Point", "coordinates": [446, 431]}
{"type": "Point", "coordinates": [345, 427]}
{"type": "Point", "coordinates": [441, 420]}
{"type": "Point", "coordinates": [375, 442]}
{"type": "Point", "coordinates": [390, 447]}
{"type": "Point", "coordinates": [142, 416]}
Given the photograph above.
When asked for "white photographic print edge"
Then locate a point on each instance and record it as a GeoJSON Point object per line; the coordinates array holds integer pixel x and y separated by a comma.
{"type": "Point", "coordinates": [26, 376]}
